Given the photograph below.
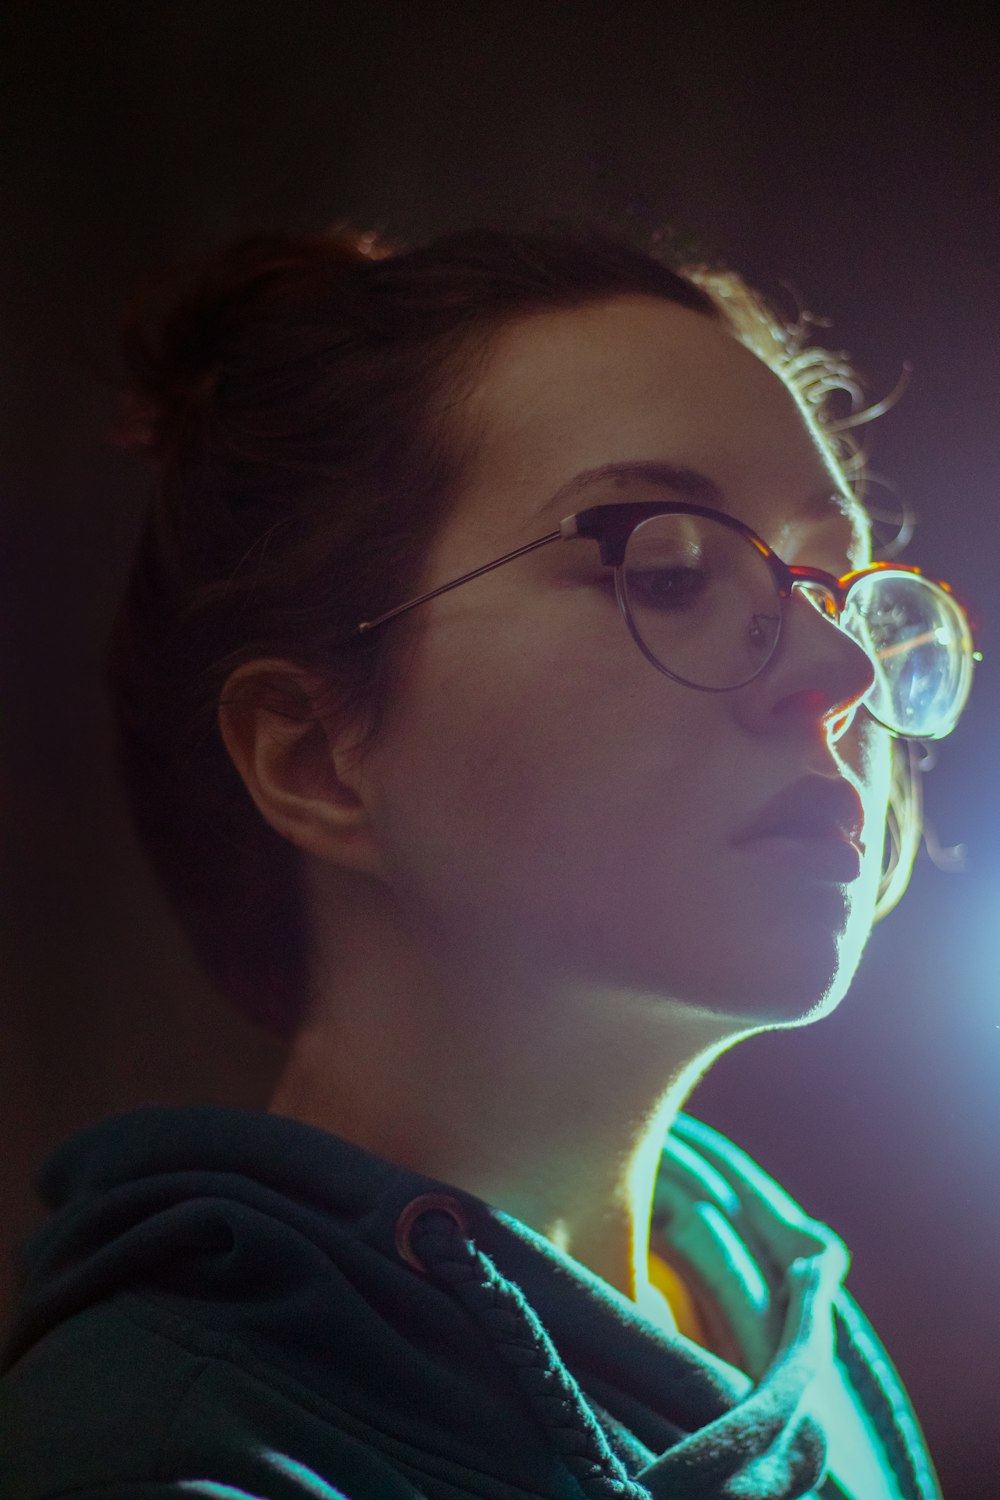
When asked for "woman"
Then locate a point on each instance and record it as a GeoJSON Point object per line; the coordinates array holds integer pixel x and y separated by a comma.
{"type": "Point", "coordinates": [503, 714]}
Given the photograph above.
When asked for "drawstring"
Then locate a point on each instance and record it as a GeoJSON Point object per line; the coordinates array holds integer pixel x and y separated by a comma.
{"type": "Point", "coordinates": [432, 1236]}
{"type": "Point", "coordinates": [862, 1364]}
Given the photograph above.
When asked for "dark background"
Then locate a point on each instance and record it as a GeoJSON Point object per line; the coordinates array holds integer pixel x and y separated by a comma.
{"type": "Point", "coordinates": [850, 153]}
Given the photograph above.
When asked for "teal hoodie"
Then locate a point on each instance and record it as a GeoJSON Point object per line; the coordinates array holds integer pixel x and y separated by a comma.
{"type": "Point", "coordinates": [228, 1304]}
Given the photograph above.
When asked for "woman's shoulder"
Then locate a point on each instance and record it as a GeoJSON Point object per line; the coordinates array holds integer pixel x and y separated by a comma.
{"type": "Point", "coordinates": [125, 1394]}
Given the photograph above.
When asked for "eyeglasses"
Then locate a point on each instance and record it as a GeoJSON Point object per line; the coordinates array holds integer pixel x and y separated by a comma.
{"type": "Point", "coordinates": [703, 598]}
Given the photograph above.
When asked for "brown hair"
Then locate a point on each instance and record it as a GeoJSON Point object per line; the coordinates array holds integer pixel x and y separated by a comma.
{"type": "Point", "coordinates": [301, 400]}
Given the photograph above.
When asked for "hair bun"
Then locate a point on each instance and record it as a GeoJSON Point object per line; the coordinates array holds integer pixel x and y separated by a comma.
{"type": "Point", "coordinates": [185, 322]}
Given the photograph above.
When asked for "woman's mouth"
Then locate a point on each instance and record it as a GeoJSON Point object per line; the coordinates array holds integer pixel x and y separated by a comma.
{"type": "Point", "coordinates": [812, 827]}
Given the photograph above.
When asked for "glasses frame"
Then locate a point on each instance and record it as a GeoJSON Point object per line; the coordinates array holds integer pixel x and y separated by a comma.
{"type": "Point", "coordinates": [611, 526]}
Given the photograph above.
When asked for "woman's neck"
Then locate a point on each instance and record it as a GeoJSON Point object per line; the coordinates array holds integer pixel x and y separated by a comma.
{"type": "Point", "coordinates": [548, 1101]}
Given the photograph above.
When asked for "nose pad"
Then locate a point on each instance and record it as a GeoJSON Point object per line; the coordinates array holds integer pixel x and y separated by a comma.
{"type": "Point", "coordinates": [820, 598]}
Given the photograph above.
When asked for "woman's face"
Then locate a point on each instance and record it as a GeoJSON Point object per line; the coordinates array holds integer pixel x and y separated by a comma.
{"type": "Point", "coordinates": [541, 792]}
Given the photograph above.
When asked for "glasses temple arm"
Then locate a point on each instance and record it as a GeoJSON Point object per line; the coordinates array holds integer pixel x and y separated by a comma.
{"type": "Point", "coordinates": [444, 588]}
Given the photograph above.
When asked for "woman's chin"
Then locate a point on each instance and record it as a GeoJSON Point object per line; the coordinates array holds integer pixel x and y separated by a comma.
{"type": "Point", "coordinates": [790, 969]}
{"type": "Point", "coordinates": [763, 978]}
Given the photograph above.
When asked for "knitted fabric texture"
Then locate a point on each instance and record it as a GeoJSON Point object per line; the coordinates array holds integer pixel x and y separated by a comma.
{"type": "Point", "coordinates": [501, 1312]}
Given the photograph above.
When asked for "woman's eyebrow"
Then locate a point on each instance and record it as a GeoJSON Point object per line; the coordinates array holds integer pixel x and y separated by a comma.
{"type": "Point", "coordinates": [689, 484]}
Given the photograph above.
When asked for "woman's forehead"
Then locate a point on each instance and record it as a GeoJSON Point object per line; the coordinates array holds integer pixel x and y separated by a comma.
{"type": "Point", "coordinates": [634, 381]}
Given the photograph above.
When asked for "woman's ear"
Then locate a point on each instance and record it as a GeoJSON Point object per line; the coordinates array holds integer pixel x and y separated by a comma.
{"type": "Point", "coordinates": [302, 773]}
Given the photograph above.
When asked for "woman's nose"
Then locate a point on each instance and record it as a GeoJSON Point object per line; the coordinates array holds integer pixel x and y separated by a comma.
{"type": "Point", "coordinates": [817, 673]}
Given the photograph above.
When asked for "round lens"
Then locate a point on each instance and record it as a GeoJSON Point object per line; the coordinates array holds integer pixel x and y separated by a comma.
{"type": "Point", "coordinates": [918, 638]}
{"type": "Point", "coordinates": [700, 600]}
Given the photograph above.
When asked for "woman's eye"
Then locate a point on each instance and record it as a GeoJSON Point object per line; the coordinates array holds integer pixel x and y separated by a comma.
{"type": "Point", "coordinates": [666, 588]}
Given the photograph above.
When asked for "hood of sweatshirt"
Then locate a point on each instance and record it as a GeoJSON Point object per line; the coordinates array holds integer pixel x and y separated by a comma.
{"type": "Point", "coordinates": [454, 1340]}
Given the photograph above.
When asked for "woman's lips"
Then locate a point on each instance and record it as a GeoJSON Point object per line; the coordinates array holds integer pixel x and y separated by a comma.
{"type": "Point", "coordinates": [814, 806]}
{"type": "Point", "coordinates": [812, 827]}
